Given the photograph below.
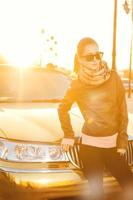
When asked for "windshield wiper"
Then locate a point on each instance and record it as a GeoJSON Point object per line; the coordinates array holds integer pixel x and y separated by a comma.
{"type": "Point", "coordinates": [15, 100]}
{"type": "Point", "coordinates": [46, 100]}
{"type": "Point", "coordinates": [7, 99]}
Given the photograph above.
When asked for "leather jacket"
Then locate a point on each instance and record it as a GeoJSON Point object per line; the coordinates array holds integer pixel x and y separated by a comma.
{"type": "Point", "coordinates": [103, 107]}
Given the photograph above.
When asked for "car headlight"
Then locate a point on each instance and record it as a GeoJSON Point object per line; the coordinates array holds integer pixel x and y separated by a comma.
{"type": "Point", "coordinates": [27, 152]}
{"type": "Point", "coordinates": [55, 153]}
{"type": "Point", "coordinates": [3, 150]}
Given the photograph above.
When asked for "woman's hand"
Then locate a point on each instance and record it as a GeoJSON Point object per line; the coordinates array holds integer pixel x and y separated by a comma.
{"type": "Point", "coordinates": [121, 151]}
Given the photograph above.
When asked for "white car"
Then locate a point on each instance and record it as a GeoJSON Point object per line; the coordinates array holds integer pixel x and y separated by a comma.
{"type": "Point", "coordinates": [31, 159]}
{"type": "Point", "coordinates": [127, 84]}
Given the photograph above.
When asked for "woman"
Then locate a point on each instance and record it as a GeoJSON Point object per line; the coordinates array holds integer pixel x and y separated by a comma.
{"type": "Point", "coordinates": [100, 96]}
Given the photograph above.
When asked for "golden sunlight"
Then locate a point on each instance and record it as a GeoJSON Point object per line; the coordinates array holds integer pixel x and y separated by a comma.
{"type": "Point", "coordinates": [19, 37]}
{"type": "Point", "coordinates": [23, 44]}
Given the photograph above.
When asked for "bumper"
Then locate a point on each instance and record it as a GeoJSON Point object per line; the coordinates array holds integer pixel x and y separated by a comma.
{"type": "Point", "coordinates": [40, 182]}
{"type": "Point", "coordinates": [46, 184]}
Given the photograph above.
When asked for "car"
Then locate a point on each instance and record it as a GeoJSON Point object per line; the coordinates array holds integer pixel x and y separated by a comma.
{"type": "Point", "coordinates": [127, 84]}
{"type": "Point", "coordinates": [31, 158]}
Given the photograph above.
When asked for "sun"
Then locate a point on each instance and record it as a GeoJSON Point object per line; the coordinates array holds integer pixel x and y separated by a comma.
{"type": "Point", "coordinates": [20, 41]}
{"type": "Point", "coordinates": [21, 47]}
{"type": "Point", "coordinates": [22, 56]}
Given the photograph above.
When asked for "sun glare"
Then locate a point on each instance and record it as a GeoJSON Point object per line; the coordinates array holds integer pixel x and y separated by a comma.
{"type": "Point", "coordinates": [21, 56]}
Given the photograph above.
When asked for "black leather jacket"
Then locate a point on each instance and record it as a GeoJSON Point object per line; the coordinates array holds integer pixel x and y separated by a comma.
{"type": "Point", "coordinates": [103, 107]}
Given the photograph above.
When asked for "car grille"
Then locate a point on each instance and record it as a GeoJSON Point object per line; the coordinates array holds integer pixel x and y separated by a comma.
{"type": "Point", "coordinates": [129, 153]}
{"type": "Point", "coordinates": [73, 155]}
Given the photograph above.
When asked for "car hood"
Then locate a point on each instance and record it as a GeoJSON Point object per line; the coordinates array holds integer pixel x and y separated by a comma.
{"type": "Point", "coordinates": [40, 123]}
{"type": "Point", "coordinates": [34, 123]}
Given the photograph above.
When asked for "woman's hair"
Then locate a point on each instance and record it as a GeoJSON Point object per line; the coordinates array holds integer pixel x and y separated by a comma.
{"type": "Point", "coordinates": [83, 42]}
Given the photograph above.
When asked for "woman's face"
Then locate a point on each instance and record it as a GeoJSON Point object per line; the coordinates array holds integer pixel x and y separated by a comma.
{"type": "Point", "coordinates": [90, 56]}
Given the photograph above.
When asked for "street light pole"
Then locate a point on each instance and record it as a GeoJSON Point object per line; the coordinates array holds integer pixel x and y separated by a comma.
{"type": "Point", "coordinates": [114, 36]}
{"type": "Point", "coordinates": [131, 53]}
{"type": "Point", "coordinates": [127, 8]}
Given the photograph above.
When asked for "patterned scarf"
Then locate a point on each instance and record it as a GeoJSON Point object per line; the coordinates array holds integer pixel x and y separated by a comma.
{"type": "Point", "coordinates": [93, 75]}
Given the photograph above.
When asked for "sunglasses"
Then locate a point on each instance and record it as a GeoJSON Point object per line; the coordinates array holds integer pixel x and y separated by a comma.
{"type": "Point", "coordinates": [90, 57]}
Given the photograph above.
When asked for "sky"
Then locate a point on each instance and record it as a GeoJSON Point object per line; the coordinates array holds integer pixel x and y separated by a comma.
{"type": "Point", "coordinates": [43, 31]}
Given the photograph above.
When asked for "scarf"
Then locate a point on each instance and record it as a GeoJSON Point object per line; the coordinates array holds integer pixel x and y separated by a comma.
{"type": "Point", "coordinates": [93, 75]}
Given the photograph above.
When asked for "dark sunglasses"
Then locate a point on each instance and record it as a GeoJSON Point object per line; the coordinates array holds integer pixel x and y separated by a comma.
{"type": "Point", "coordinates": [90, 57]}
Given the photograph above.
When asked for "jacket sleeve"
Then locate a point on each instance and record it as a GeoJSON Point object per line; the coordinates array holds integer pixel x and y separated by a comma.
{"type": "Point", "coordinates": [63, 113]}
{"type": "Point", "coordinates": [122, 139]}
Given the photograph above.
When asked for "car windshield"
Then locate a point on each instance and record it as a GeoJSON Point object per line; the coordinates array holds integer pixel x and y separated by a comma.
{"type": "Point", "coordinates": [32, 84]}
